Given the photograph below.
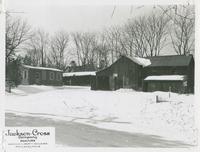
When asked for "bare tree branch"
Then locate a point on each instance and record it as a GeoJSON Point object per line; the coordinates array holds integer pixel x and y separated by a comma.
{"type": "Point", "coordinates": [17, 33]}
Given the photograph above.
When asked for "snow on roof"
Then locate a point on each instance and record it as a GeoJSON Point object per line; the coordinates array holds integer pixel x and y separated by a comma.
{"type": "Point", "coordinates": [41, 68]}
{"type": "Point", "coordinates": [141, 61]}
{"type": "Point", "coordinates": [166, 78]}
{"type": "Point", "coordinates": [85, 73]}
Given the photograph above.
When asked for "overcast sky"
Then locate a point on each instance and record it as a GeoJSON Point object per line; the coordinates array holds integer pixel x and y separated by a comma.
{"type": "Point", "coordinates": [54, 15]}
{"type": "Point", "coordinates": [72, 18]}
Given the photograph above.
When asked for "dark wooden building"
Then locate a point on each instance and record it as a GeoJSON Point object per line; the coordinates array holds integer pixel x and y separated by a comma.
{"type": "Point", "coordinates": [170, 65]}
{"type": "Point", "coordinates": [79, 78]}
{"type": "Point", "coordinates": [41, 75]}
{"type": "Point", "coordinates": [172, 83]}
{"type": "Point", "coordinates": [124, 73]}
{"type": "Point", "coordinates": [160, 73]}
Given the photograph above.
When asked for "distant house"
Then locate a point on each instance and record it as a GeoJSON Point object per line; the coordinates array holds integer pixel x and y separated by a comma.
{"type": "Point", "coordinates": [79, 78]}
{"type": "Point", "coordinates": [175, 65]}
{"type": "Point", "coordinates": [124, 73]}
{"type": "Point", "coordinates": [41, 75]}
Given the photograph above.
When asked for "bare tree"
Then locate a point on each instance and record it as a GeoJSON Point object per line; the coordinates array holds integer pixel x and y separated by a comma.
{"type": "Point", "coordinates": [37, 47]}
{"type": "Point", "coordinates": [17, 33]}
{"type": "Point", "coordinates": [145, 36]}
{"type": "Point", "coordinates": [59, 44]}
{"type": "Point", "coordinates": [156, 33]}
{"type": "Point", "coordinates": [134, 41]}
{"type": "Point", "coordinates": [182, 27]}
{"type": "Point", "coordinates": [102, 51]}
{"type": "Point", "coordinates": [85, 44]}
{"type": "Point", "coordinates": [183, 32]}
{"type": "Point", "coordinates": [114, 36]}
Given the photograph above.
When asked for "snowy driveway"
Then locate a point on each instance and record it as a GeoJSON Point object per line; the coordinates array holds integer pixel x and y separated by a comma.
{"type": "Point", "coordinates": [80, 135]}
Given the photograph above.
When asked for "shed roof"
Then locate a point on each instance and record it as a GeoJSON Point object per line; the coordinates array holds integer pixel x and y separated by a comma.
{"type": "Point", "coordinates": [41, 68]}
{"type": "Point", "coordinates": [165, 78]}
{"type": "Point", "coordinates": [141, 61]}
{"type": "Point", "coordinates": [85, 73]}
{"type": "Point", "coordinates": [173, 60]}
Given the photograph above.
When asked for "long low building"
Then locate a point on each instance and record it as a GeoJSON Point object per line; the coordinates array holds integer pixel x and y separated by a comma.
{"type": "Point", "coordinates": [41, 75]}
{"type": "Point", "coordinates": [79, 78]}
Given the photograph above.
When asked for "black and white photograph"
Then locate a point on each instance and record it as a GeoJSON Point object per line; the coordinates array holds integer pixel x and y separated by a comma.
{"type": "Point", "coordinates": [102, 75]}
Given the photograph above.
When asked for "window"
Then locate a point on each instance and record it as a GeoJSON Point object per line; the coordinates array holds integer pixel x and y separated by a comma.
{"type": "Point", "coordinates": [37, 75]}
{"type": "Point", "coordinates": [25, 74]}
{"type": "Point", "coordinates": [44, 75]}
{"type": "Point", "coordinates": [51, 76]}
{"type": "Point", "coordinates": [58, 76]}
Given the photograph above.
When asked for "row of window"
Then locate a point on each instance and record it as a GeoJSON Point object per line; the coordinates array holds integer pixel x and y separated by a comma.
{"type": "Point", "coordinates": [52, 76]}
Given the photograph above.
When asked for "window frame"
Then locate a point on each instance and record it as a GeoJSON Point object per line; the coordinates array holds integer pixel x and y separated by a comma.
{"type": "Point", "coordinates": [58, 76]}
{"type": "Point", "coordinates": [51, 75]}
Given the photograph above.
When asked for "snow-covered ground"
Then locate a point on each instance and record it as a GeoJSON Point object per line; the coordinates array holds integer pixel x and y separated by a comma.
{"type": "Point", "coordinates": [124, 110]}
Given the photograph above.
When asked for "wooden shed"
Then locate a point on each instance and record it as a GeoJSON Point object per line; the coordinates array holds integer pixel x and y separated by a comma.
{"type": "Point", "coordinates": [171, 83]}
{"type": "Point", "coordinates": [41, 75]}
{"type": "Point", "coordinates": [172, 65]}
{"type": "Point", "coordinates": [79, 78]}
{"type": "Point", "coordinates": [124, 73]}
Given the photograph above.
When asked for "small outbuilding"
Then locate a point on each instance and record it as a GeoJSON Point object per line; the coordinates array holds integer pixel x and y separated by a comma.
{"type": "Point", "coordinates": [79, 78]}
{"type": "Point", "coordinates": [124, 73]}
{"type": "Point", "coordinates": [172, 65]}
{"type": "Point", "coordinates": [41, 75]}
{"type": "Point", "coordinates": [171, 83]}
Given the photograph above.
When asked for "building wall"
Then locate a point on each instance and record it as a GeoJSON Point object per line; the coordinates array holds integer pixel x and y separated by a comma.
{"type": "Point", "coordinates": [42, 77]}
{"type": "Point", "coordinates": [78, 80]}
{"type": "Point", "coordinates": [172, 86]}
{"type": "Point", "coordinates": [124, 73]}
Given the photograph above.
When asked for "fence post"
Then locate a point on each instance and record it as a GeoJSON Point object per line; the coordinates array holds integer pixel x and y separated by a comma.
{"type": "Point", "coordinates": [169, 92]}
{"type": "Point", "coordinates": [156, 98]}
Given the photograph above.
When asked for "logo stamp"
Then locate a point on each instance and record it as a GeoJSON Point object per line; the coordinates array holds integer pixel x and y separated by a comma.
{"type": "Point", "coordinates": [16, 138]}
